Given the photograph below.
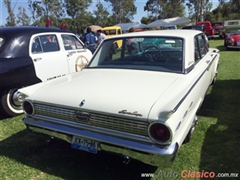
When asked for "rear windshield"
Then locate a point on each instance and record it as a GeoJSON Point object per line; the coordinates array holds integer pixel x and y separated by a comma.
{"type": "Point", "coordinates": [145, 53]}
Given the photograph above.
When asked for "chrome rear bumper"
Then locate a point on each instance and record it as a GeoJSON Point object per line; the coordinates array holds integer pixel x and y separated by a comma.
{"type": "Point", "coordinates": [147, 153]}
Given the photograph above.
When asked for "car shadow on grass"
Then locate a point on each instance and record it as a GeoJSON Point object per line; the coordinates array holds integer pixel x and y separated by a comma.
{"type": "Point", "coordinates": [57, 158]}
{"type": "Point", "coordinates": [220, 149]}
{"type": "Point", "coordinates": [223, 48]}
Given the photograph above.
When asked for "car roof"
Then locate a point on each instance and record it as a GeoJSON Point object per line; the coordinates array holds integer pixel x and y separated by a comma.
{"type": "Point", "coordinates": [28, 29]}
{"type": "Point", "coordinates": [22, 34]}
{"type": "Point", "coordinates": [170, 33]}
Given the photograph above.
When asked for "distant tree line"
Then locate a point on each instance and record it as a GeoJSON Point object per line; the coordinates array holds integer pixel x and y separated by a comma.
{"type": "Point", "coordinates": [75, 13]}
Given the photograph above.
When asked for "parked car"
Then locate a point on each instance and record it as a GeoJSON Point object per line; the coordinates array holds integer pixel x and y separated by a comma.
{"type": "Point", "coordinates": [141, 105]}
{"type": "Point", "coordinates": [229, 25]}
{"type": "Point", "coordinates": [169, 27]}
{"type": "Point", "coordinates": [195, 27]}
{"type": "Point", "coordinates": [208, 29]}
{"type": "Point", "coordinates": [29, 55]}
{"type": "Point", "coordinates": [216, 27]}
{"type": "Point", "coordinates": [232, 40]}
{"type": "Point", "coordinates": [113, 31]}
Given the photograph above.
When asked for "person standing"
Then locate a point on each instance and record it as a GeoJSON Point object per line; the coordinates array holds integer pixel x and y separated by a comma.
{"type": "Point", "coordinates": [101, 36]}
{"type": "Point", "coordinates": [90, 40]}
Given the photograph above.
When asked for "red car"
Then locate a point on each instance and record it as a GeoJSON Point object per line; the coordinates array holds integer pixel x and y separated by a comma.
{"type": "Point", "coordinates": [207, 27]}
{"type": "Point", "coordinates": [217, 26]}
{"type": "Point", "coordinates": [232, 40]}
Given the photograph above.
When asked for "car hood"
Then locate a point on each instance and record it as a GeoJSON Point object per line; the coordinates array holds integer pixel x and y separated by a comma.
{"type": "Point", "coordinates": [234, 36]}
{"type": "Point", "coordinates": [122, 92]}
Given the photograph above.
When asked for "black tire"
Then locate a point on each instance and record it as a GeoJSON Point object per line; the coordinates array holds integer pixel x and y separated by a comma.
{"type": "Point", "coordinates": [9, 105]}
{"type": "Point", "coordinates": [189, 135]}
{"type": "Point", "coordinates": [214, 79]}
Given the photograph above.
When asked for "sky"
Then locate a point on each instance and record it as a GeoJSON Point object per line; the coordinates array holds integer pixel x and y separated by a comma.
{"type": "Point", "coordinates": [137, 18]}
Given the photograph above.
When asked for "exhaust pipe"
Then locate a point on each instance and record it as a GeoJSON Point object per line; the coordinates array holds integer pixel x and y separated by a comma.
{"type": "Point", "coordinates": [126, 160]}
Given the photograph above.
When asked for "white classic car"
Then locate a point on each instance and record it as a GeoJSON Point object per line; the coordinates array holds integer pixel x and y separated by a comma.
{"type": "Point", "coordinates": [140, 102]}
{"type": "Point", "coordinates": [29, 55]}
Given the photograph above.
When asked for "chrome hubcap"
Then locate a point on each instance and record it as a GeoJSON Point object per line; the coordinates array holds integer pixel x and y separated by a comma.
{"type": "Point", "coordinates": [17, 98]}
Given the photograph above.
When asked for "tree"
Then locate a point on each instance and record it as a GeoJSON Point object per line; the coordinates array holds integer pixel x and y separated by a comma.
{"type": "Point", "coordinates": [200, 7]}
{"type": "Point", "coordinates": [46, 8]}
{"type": "Point", "coordinates": [77, 9]}
{"type": "Point", "coordinates": [123, 10]}
{"type": "Point", "coordinates": [22, 18]}
{"type": "Point", "coordinates": [101, 15]}
{"type": "Point", "coordinates": [162, 9]}
{"type": "Point", "coordinates": [146, 20]}
{"type": "Point", "coordinates": [11, 16]}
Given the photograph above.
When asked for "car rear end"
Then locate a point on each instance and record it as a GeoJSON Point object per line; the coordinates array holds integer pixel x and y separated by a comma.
{"type": "Point", "coordinates": [217, 26]}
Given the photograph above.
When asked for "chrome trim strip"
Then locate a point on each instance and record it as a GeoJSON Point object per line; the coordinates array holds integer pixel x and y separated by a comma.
{"type": "Point", "coordinates": [187, 70]}
{"type": "Point", "coordinates": [194, 84]}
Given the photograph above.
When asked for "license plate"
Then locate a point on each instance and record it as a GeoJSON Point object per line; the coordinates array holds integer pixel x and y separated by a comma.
{"type": "Point", "coordinates": [238, 43]}
{"type": "Point", "coordinates": [84, 144]}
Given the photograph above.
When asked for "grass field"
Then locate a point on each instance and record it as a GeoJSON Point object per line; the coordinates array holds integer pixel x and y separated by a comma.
{"type": "Point", "coordinates": [215, 146]}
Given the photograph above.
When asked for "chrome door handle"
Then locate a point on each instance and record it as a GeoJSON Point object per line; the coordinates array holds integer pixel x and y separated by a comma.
{"type": "Point", "coordinates": [37, 59]}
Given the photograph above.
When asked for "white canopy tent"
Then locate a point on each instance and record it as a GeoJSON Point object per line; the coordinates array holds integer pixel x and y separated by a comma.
{"type": "Point", "coordinates": [169, 21]}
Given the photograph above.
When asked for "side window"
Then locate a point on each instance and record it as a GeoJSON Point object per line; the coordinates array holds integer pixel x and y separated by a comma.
{"type": "Point", "coordinates": [71, 42]}
{"type": "Point", "coordinates": [36, 46]}
{"type": "Point", "coordinates": [202, 45]}
{"type": "Point", "coordinates": [77, 43]}
{"type": "Point", "coordinates": [49, 43]}
{"type": "Point", "coordinates": [196, 50]}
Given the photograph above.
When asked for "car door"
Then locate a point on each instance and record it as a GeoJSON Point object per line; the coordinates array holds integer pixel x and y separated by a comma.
{"type": "Point", "coordinates": [203, 60]}
{"type": "Point", "coordinates": [48, 56]}
{"type": "Point", "coordinates": [77, 56]}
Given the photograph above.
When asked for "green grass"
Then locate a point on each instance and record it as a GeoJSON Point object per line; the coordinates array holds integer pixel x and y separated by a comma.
{"type": "Point", "coordinates": [214, 147]}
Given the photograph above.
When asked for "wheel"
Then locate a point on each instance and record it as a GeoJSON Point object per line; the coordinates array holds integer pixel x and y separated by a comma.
{"type": "Point", "coordinates": [189, 135]}
{"type": "Point", "coordinates": [191, 131]}
{"type": "Point", "coordinates": [214, 79]}
{"type": "Point", "coordinates": [11, 102]}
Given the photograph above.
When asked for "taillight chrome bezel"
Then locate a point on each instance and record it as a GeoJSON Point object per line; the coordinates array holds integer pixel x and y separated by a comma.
{"type": "Point", "coordinates": [26, 111]}
{"type": "Point", "coordinates": [161, 142]}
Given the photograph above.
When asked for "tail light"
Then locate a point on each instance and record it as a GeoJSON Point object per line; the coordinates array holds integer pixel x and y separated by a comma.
{"type": "Point", "coordinates": [28, 108]}
{"type": "Point", "coordinates": [159, 133]}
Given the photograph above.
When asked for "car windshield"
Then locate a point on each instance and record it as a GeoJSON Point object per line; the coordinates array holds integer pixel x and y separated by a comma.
{"type": "Point", "coordinates": [236, 32]}
{"type": "Point", "coordinates": [1, 41]}
{"type": "Point", "coordinates": [145, 53]}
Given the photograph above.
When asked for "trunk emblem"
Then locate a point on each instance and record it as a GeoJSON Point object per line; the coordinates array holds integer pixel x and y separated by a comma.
{"type": "Point", "coordinates": [135, 113]}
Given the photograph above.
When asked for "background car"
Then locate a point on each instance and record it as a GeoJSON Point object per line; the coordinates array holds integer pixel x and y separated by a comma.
{"type": "Point", "coordinates": [208, 29]}
{"type": "Point", "coordinates": [141, 105]}
{"type": "Point", "coordinates": [228, 26]}
{"type": "Point", "coordinates": [195, 27]}
{"type": "Point", "coordinates": [232, 40]}
{"type": "Point", "coordinates": [30, 55]}
{"type": "Point", "coordinates": [216, 27]}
